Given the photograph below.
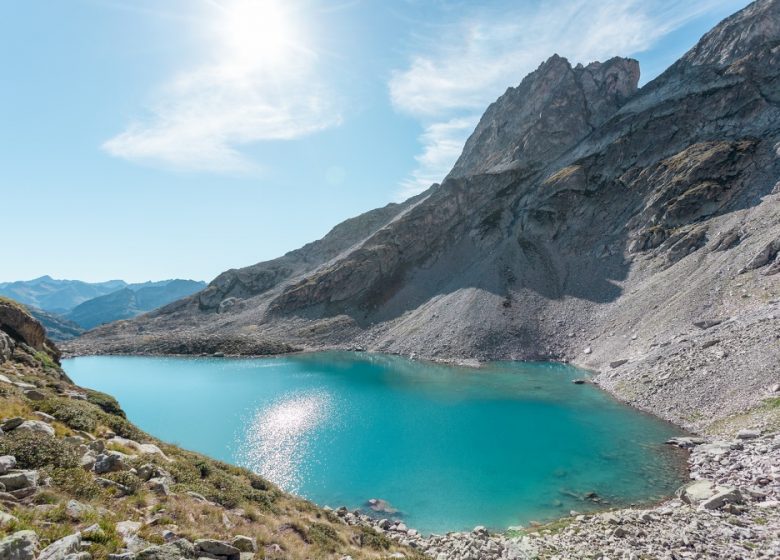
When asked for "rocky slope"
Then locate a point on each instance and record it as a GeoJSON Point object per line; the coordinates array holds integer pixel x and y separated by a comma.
{"type": "Point", "coordinates": [78, 481]}
{"type": "Point", "coordinates": [635, 232]}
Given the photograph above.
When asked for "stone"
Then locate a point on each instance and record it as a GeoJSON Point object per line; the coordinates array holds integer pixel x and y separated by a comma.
{"type": "Point", "coordinates": [244, 544]}
{"type": "Point", "coordinates": [93, 532]}
{"type": "Point", "coordinates": [176, 550]}
{"type": "Point", "coordinates": [76, 510]}
{"type": "Point", "coordinates": [7, 462]}
{"type": "Point", "coordinates": [21, 545]}
{"type": "Point", "coordinates": [748, 434]}
{"type": "Point", "coordinates": [59, 549]}
{"type": "Point", "coordinates": [617, 363]}
{"type": "Point", "coordinates": [110, 461]}
{"type": "Point", "coordinates": [12, 423]}
{"type": "Point", "coordinates": [6, 519]}
{"type": "Point", "coordinates": [722, 497]}
{"type": "Point", "coordinates": [588, 350]}
{"type": "Point", "coordinates": [705, 324]}
{"type": "Point", "coordinates": [36, 426]}
{"type": "Point", "coordinates": [34, 395]}
{"type": "Point", "coordinates": [48, 418]}
{"type": "Point", "coordinates": [159, 486]}
{"type": "Point", "coordinates": [212, 548]}
{"type": "Point", "coordinates": [19, 479]}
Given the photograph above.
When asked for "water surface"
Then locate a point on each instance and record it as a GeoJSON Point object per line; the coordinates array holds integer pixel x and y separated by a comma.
{"type": "Point", "coordinates": [448, 447]}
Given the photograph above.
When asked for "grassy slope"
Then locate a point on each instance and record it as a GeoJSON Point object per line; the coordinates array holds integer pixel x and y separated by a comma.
{"type": "Point", "coordinates": [239, 502]}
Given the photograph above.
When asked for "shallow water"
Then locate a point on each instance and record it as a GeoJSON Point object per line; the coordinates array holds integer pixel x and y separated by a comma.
{"type": "Point", "coordinates": [449, 447]}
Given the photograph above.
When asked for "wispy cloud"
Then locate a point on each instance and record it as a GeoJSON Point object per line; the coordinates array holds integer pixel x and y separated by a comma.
{"type": "Point", "coordinates": [458, 69]}
{"type": "Point", "coordinates": [260, 82]}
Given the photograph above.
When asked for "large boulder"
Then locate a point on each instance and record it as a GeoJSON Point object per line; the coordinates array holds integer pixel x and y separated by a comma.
{"type": "Point", "coordinates": [22, 327]}
{"type": "Point", "coordinates": [22, 545]}
{"type": "Point", "coordinates": [59, 550]}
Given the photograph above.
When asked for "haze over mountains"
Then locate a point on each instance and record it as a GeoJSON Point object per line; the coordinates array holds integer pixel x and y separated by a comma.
{"type": "Point", "coordinates": [69, 307]}
{"type": "Point", "coordinates": [586, 220]}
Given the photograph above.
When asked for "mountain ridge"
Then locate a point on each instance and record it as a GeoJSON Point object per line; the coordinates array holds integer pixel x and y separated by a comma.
{"type": "Point", "coordinates": [605, 243]}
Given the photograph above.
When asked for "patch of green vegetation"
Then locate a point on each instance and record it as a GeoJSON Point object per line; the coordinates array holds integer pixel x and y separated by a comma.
{"type": "Point", "coordinates": [35, 450]}
{"type": "Point", "coordinates": [106, 402]}
{"type": "Point", "coordinates": [78, 415]}
{"type": "Point", "coordinates": [127, 479]}
{"type": "Point", "coordinates": [760, 521]}
{"type": "Point", "coordinates": [324, 536]}
{"type": "Point", "coordinates": [772, 403]}
{"type": "Point", "coordinates": [76, 482]}
{"type": "Point", "coordinates": [371, 539]}
{"type": "Point", "coordinates": [45, 360]}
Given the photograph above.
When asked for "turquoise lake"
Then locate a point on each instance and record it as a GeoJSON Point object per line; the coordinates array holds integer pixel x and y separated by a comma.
{"type": "Point", "coordinates": [449, 447]}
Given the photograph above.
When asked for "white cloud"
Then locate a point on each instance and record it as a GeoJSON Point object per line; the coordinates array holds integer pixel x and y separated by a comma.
{"type": "Point", "coordinates": [260, 82]}
{"type": "Point", "coordinates": [462, 67]}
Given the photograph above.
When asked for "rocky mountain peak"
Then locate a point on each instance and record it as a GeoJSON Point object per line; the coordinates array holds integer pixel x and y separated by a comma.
{"type": "Point", "coordinates": [551, 110]}
{"type": "Point", "coordinates": [739, 35]}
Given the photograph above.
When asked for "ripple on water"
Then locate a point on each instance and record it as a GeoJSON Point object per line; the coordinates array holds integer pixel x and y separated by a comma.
{"type": "Point", "coordinates": [276, 439]}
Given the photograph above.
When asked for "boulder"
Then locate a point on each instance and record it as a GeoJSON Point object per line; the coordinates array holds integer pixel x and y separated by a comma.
{"type": "Point", "coordinates": [748, 434]}
{"type": "Point", "coordinates": [617, 363]}
{"type": "Point", "coordinates": [211, 548]}
{"type": "Point", "coordinates": [171, 551]}
{"type": "Point", "coordinates": [22, 545]}
{"type": "Point", "coordinates": [244, 544]}
{"type": "Point", "coordinates": [12, 423]}
{"type": "Point", "coordinates": [19, 479]}
{"type": "Point", "coordinates": [76, 510]}
{"type": "Point", "coordinates": [722, 497]}
{"type": "Point", "coordinates": [59, 550]}
{"type": "Point", "coordinates": [36, 426]}
{"type": "Point", "coordinates": [6, 519]}
{"type": "Point", "coordinates": [110, 461]}
{"type": "Point", "coordinates": [7, 462]}
{"type": "Point", "coordinates": [34, 395]}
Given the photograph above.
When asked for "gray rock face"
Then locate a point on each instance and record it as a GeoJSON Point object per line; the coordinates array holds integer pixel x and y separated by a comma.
{"type": "Point", "coordinates": [7, 462]}
{"type": "Point", "coordinates": [59, 550]}
{"type": "Point", "coordinates": [19, 480]}
{"type": "Point", "coordinates": [36, 426]}
{"type": "Point", "coordinates": [22, 545]}
{"type": "Point", "coordinates": [581, 209]}
{"type": "Point", "coordinates": [110, 461]}
{"type": "Point", "coordinates": [549, 112]}
{"type": "Point", "coordinates": [211, 548]}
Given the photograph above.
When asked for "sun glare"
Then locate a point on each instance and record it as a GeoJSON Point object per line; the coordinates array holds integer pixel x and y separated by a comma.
{"type": "Point", "coordinates": [257, 32]}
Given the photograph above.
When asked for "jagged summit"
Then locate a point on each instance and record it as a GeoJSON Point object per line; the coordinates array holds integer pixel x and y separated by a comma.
{"type": "Point", "coordinates": [551, 110]}
{"type": "Point", "coordinates": [582, 214]}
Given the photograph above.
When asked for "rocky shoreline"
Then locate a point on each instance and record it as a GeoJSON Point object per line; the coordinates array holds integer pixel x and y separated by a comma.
{"type": "Point", "coordinates": [730, 509]}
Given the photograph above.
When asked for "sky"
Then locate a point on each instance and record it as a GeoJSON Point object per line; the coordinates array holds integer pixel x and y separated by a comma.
{"type": "Point", "coordinates": [152, 139]}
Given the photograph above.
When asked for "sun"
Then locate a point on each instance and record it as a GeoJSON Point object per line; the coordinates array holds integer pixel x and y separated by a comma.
{"type": "Point", "coordinates": [257, 33]}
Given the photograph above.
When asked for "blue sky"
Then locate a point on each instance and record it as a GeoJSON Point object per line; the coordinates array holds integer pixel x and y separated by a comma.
{"type": "Point", "coordinates": [150, 139]}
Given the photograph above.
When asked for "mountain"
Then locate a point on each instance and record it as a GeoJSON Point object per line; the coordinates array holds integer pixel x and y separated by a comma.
{"type": "Point", "coordinates": [633, 231]}
{"type": "Point", "coordinates": [57, 296]}
{"type": "Point", "coordinates": [58, 328]}
{"type": "Point", "coordinates": [131, 301]}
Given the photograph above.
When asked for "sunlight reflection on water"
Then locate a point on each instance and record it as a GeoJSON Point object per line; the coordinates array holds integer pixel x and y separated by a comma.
{"type": "Point", "coordinates": [276, 439]}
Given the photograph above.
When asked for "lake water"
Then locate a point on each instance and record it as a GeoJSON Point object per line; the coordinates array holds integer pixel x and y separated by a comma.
{"type": "Point", "coordinates": [449, 447]}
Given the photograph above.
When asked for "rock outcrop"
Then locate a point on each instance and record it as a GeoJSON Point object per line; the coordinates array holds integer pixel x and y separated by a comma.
{"type": "Point", "coordinates": [584, 213]}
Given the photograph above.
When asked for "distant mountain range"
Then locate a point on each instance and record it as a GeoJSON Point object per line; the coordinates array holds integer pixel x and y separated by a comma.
{"type": "Point", "coordinates": [69, 307]}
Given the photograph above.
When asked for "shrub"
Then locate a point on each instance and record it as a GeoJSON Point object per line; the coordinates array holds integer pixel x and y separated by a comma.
{"type": "Point", "coordinates": [126, 478]}
{"type": "Point", "coordinates": [76, 482]}
{"type": "Point", "coordinates": [122, 427]}
{"type": "Point", "coordinates": [35, 450]}
{"type": "Point", "coordinates": [324, 535]}
{"type": "Point", "coordinates": [79, 415]}
{"type": "Point", "coordinates": [372, 539]}
{"type": "Point", "coordinates": [106, 402]}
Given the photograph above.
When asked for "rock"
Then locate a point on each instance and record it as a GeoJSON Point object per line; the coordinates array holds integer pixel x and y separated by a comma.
{"type": "Point", "coordinates": [120, 489]}
{"type": "Point", "coordinates": [216, 549]}
{"type": "Point", "coordinates": [244, 544]}
{"type": "Point", "coordinates": [19, 480]}
{"type": "Point", "coordinates": [6, 519]}
{"type": "Point", "coordinates": [34, 395]}
{"type": "Point", "coordinates": [722, 497]}
{"type": "Point", "coordinates": [77, 511]}
{"type": "Point", "coordinates": [617, 363]}
{"type": "Point", "coordinates": [12, 423]}
{"type": "Point", "coordinates": [87, 461]}
{"type": "Point", "coordinates": [159, 486]}
{"type": "Point", "coordinates": [110, 461]}
{"type": "Point", "coordinates": [36, 426]}
{"type": "Point", "coordinates": [58, 550]}
{"type": "Point", "coordinates": [176, 550]}
{"type": "Point", "coordinates": [748, 434]}
{"type": "Point", "coordinates": [48, 418]}
{"type": "Point", "coordinates": [578, 381]}
{"type": "Point", "coordinates": [588, 350]}
{"type": "Point", "coordinates": [705, 324]}
{"type": "Point", "coordinates": [93, 532]}
{"type": "Point", "coordinates": [7, 462]}
{"type": "Point", "coordinates": [381, 506]}
{"type": "Point", "coordinates": [21, 545]}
